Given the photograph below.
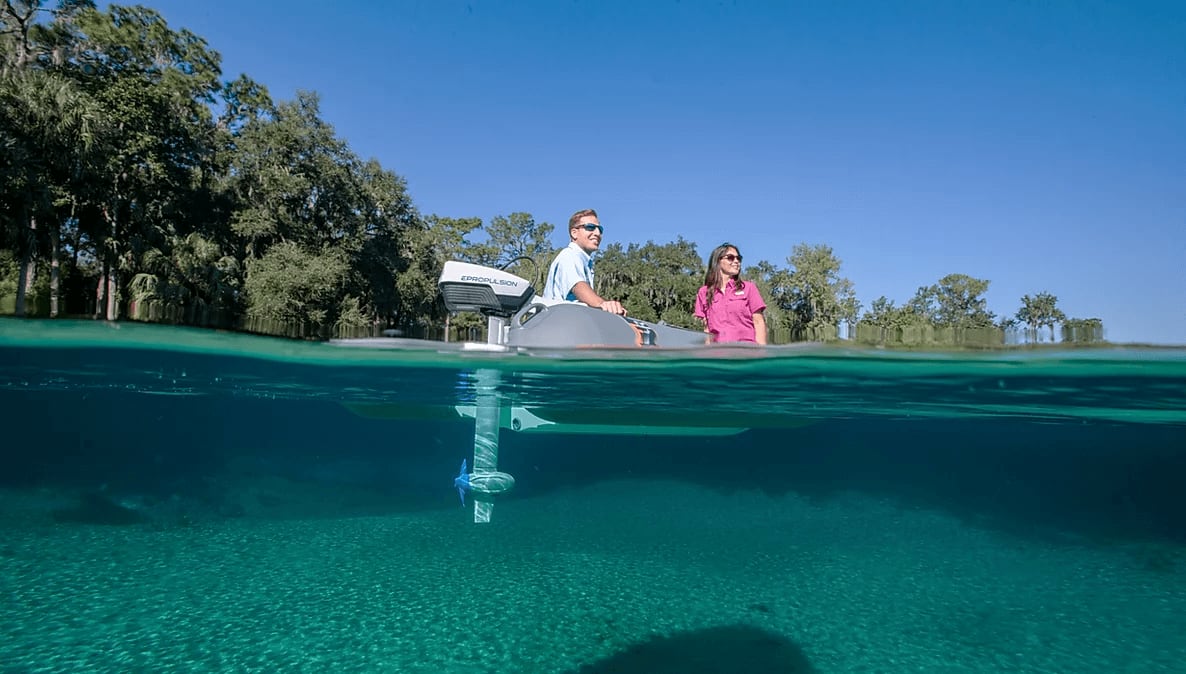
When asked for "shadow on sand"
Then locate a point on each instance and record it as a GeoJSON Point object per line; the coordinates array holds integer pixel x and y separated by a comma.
{"type": "Point", "coordinates": [735, 648]}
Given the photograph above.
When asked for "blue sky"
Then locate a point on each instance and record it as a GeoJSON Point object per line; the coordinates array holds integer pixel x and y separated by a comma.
{"type": "Point", "coordinates": [1040, 144]}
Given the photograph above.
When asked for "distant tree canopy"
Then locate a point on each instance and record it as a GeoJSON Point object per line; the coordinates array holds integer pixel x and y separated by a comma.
{"type": "Point", "coordinates": [655, 282]}
{"type": "Point", "coordinates": [1039, 311]}
{"type": "Point", "coordinates": [811, 294]}
{"type": "Point", "coordinates": [136, 181]}
{"type": "Point", "coordinates": [956, 301]}
{"type": "Point", "coordinates": [1083, 330]}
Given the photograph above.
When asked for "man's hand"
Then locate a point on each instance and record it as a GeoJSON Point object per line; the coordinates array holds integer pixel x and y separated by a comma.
{"type": "Point", "coordinates": [614, 307]}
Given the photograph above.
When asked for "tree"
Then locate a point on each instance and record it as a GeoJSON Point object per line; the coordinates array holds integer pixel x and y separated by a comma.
{"type": "Point", "coordinates": [518, 244]}
{"type": "Point", "coordinates": [767, 277]}
{"type": "Point", "coordinates": [655, 282]}
{"type": "Point", "coordinates": [191, 178]}
{"type": "Point", "coordinates": [815, 296]}
{"type": "Point", "coordinates": [1083, 330]}
{"type": "Point", "coordinates": [196, 277]}
{"type": "Point", "coordinates": [47, 125]}
{"type": "Point", "coordinates": [285, 172]}
{"type": "Point", "coordinates": [1039, 311]}
{"type": "Point", "coordinates": [442, 239]}
{"type": "Point", "coordinates": [292, 180]}
{"type": "Point", "coordinates": [292, 286]}
{"type": "Point", "coordinates": [18, 21]}
{"type": "Point", "coordinates": [885, 322]}
{"type": "Point", "coordinates": [157, 85]}
{"type": "Point", "coordinates": [381, 244]}
{"type": "Point", "coordinates": [883, 314]}
{"type": "Point", "coordinates": [955, 302]}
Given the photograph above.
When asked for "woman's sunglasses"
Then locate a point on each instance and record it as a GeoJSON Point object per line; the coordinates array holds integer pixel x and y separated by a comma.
{"type": "Point", "coordinates": [730, 257]}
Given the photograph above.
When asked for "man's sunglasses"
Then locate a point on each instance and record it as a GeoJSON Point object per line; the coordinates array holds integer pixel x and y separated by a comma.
{"type": "Point", "coordinates": [589, 227]}
{"type": "Point", "coordinates": [730, 257]}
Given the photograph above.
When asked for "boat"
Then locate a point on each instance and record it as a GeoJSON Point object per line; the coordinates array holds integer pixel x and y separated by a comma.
{"type": "Point", "coordinates": [518, 320]}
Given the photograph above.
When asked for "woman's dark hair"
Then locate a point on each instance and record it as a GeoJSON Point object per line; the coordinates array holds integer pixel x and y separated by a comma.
{"type": "Point", "coordinates": [712, 278]}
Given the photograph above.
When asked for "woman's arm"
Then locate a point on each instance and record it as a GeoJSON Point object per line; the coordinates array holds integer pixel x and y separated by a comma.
{"type": "Point", "coordinates": [760, 328]}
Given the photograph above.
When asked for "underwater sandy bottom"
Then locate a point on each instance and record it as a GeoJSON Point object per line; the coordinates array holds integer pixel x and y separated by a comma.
{"type": "Point", "coordinates": [622, 576]}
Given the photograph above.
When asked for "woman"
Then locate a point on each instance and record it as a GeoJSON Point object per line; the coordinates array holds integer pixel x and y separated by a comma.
{"type": "Point", "coordinates": [730, 308]}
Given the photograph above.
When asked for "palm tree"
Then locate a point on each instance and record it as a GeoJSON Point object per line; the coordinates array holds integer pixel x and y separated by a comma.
{"type": "Point", "coordinates": [1040, 310]}
{"type": "Point", "coordinates": [196, 280]}
{"type": "Point", "coordinates": [49, 125]}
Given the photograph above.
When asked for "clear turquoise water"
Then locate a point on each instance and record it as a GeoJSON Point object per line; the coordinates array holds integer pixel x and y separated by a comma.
{"type": "Point", "coordinates": [200, 501]}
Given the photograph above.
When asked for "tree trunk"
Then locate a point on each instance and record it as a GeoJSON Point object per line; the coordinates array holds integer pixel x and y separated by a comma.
{"type": "Point", "coordinates": [28, 268]}
{"type": "Point", "coordinates": [100, 287]}
{"type": "Point", "coordinates": [112, 268]}
{"type": "Point", "coordinates": [55, 268]}
{"type": "Point", "coordinates": [22, 286]}
{"type": "Point", "coordinates": [112, 292]}
{"type": "Point", "coordinates": [75, 244]}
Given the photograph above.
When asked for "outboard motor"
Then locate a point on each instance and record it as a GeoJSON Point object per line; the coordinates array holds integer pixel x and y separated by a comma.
{"type": "Point", "coordinates": [498, 296]}
{"type": "Point", "coordinates": [493, 293]}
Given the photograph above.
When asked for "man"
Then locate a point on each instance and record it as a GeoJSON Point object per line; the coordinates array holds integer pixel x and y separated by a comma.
{"type": "Point", "coordinates": [570, 278]}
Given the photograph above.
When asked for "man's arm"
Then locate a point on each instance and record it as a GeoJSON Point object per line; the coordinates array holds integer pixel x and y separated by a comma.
{"type": "Point", "coordinates": [584, 292]}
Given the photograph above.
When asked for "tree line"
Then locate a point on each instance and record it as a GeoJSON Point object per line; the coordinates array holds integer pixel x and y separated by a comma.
{"type": "Point", "coordinates": [136, 181]}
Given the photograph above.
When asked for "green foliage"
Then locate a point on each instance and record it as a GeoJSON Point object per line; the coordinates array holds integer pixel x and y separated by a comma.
{"type": "Point", "coordinates": [37, 296]}
{"type": "Point", "coordinates": [950, 313]}
{"type": "Point", "coordinates": [1039, 311]}
{"type": "Point", "coordinates": [883, 314]}
{"type": "Point", "coordinates": [428, 248]}
{"type": "Point", "coordinates": [290, 176]}
{"type": "Point", "coordinates": [293, 181]}
{"type": "Point", "coordinates": [244, 100]}
{"type": "Point", "coordinates": [885, 323]}
{"type": "Point", "coordinates": [766, 277]}
{"type": "Point", "coordinates": [9, 268]}
{"type": "Point", "coordinates": [655, 282]}
{"type": "Point", "coordinates": [447, 239]}
{"type": "Point", "coordinates": [813, 297]}
{"type": "Point", "coordinates": [196, 273]}
{"type": "Point", "coordinates": [352, 315]}
{"type": "Point", "coordinates": [1083, 331]}
{"type": "Point", "coordinates": [47, 129]}
{"type": "Point", "coordinates": [928, 335]}
{"type": "Point", "coordinates": [956, 301]}
{"type": "Point", "coordinates": [289, 284]}
{"type": "Point", "coordinates": [516, 243]}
